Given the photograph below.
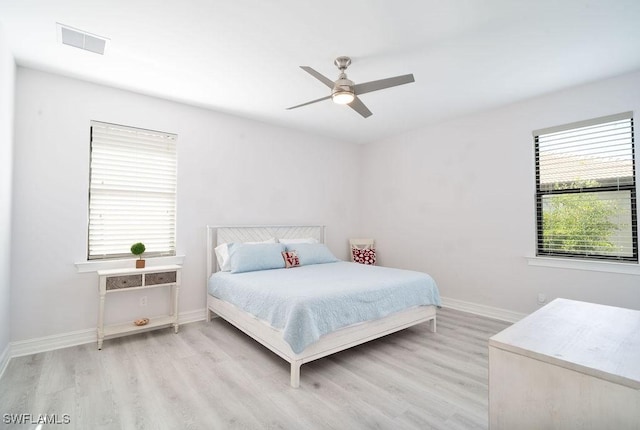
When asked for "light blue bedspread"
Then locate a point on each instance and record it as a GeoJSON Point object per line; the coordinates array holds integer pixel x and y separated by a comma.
{"type": "Point", "coordinates": [309, 301]}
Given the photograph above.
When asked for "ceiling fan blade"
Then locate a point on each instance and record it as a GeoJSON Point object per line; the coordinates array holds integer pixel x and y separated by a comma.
{"type": "Point", "coordinates": [328, 82]}
{"type": "Point", "coordinates": [359, 107]}
{"type": "Point", "coordinates": [381, 84]}
{"type": "Point", "coordinates": [308, 103]}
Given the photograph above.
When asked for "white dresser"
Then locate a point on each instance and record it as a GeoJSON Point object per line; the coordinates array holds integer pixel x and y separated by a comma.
{"type": "Point", "coordinates": [570, 365]}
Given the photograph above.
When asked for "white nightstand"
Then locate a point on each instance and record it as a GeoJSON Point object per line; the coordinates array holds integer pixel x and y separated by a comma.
{"type": "Point", "coordinates": [122, 280]}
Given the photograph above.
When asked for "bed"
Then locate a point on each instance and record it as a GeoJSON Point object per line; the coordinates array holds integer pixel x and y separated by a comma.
{"type": "Point", "coordinates": [320, 307]}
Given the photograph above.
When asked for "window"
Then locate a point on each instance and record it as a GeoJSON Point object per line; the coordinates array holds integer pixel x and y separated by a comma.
{"type": "Point", "coordinates": [132, 191]}
{"type": "Point", "coordinates": [586, 190]}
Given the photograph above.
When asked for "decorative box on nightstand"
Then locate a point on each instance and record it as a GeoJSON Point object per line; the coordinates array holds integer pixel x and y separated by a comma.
{"type": "Point", "coordinates": [122, 280]}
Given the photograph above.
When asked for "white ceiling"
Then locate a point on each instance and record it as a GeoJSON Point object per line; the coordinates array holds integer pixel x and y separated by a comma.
{"type": "Point", "coordinates": [242, 56]}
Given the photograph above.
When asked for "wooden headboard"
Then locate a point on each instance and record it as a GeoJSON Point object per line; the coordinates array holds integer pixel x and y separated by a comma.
{"type": "Point", "coordinates": [217, 235]}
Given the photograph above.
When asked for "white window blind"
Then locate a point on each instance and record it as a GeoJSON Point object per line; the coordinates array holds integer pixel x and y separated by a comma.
{"type": "Point", "coordinates": [586, 189]}
{"type": "Point", "coordinates": [132, 192]}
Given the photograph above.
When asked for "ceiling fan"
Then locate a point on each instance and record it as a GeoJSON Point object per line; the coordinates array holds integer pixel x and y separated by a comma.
{"type": "Point", "coordinates": [344, 91]}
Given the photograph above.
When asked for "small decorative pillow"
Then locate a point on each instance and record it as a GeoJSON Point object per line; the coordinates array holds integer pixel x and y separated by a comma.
{"type": "Point", "coordinates": [364, 256]}
{"type": "Point", "coordinates": [290, 259]}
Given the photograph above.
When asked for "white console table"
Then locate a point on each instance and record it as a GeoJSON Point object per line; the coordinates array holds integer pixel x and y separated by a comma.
{"type": "Point", "coordinates": [569, 365]}
{"type": "Point", "coordinates": [122, 280]}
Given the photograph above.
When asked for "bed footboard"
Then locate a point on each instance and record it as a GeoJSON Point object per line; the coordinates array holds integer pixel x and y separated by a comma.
{"type": "Point", "coordinates": [328, 344]}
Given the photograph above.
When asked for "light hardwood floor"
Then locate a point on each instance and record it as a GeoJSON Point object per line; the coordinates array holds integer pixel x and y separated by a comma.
{"type": "Point", "coordinates": [211, 376]}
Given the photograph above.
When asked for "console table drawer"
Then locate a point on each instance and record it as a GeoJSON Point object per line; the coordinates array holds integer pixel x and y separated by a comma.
{"type": "Point", "coordinates": [127, 281]}
{"type": "Point", "coordinates": [160, 278]}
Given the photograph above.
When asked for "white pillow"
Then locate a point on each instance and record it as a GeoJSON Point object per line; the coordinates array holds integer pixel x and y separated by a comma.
{"type": "Point", "coordinates": [303, 240]}
{"type": "Point", "coordinates": [222, 254]}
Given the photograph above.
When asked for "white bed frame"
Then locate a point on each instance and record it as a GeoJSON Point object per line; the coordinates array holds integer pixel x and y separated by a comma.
{"type": "Point", "coordinates": [272, 338]}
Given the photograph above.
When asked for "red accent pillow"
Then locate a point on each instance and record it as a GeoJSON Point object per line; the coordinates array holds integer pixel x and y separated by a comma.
{"type": "Point", "coordinates": [290, 259]}
{"type": "Point", "coordinates": [364, 256]}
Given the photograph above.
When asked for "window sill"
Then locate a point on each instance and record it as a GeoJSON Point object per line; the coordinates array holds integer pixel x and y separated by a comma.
{"type": "Point", "coordinates": [594, 266]}
{"type": "Point", "coordinates": [94, 266]}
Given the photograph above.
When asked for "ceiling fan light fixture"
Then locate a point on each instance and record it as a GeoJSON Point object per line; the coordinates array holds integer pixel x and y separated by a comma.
{"type": "Point", "coordinates": [342, 92]}
{"type": "Point", "coordinates": [343, 97]}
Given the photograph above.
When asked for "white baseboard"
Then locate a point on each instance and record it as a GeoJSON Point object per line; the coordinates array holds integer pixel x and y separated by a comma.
{"type": "Point", "coordinates": [80, 337]}
{"type": "Point", "coordinates": [49, 343]}
{"type": "Point", "coordinates": [482, 310]}
{"type": "Point", "coordinates": [193, 316]}
{"type": "Point", "coordinates": [4, 359]}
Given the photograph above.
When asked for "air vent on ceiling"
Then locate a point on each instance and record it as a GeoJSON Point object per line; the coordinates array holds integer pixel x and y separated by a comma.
{"type": "Point", "coordinates": [81, 39]}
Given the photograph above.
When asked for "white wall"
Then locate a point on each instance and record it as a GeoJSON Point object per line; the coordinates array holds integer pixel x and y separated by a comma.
{"type": "Point", "coordinates": [457, 200]}
{"type": "Point", "coordinates": [230, 171]}
{"type": "Point", "coordinates": [454, 199]}
{"type": "Point", "coordinates": [7, 78]}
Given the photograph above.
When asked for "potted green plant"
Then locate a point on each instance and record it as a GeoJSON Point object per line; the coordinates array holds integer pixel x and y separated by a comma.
{"type": "Point", "coordinates": [137, 249]}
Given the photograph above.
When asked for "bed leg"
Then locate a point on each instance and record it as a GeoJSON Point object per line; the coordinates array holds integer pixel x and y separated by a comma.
{"type": "Point", "coordinates": [432, 325]}
{"type": "Point", "coordinates": [208, 315]}
{"type": "Point", "coordinates": [295, 373]}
